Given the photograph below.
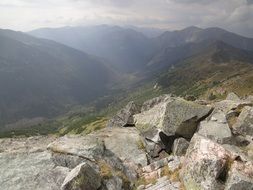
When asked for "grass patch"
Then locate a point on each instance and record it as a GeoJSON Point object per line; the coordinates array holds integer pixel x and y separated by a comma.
{"type": "Point", "coordinates": [140, 144]}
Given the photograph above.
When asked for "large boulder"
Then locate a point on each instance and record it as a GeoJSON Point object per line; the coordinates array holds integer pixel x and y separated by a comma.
{"type": "Point", "coordinates": [216, 128]}
{"type": "Point", "coordinates": [88, 147]}
{"type": "Point", "coordinates": [173, 116]}
{"type": "Point", "coordinates": [124, 117]}
{"type": "Point", "coordinates": [82, 177]}
{"type": "Point", "coordinates": [244, 124]}
{"type": "Point", "coordinates": [204, 163]}
{"type": "Point", "coordinates": [125, 143]}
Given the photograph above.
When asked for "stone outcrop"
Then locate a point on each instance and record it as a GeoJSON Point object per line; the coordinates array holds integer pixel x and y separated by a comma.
{"type": "Point", "coordinates": [173, 116]}
{"type": "Point", "coordinates": [212, 149]}
{"type": "Point", "coordinates": [26, 165]}
{"type": "Point", "coordinates": [164, 119]}
{"type": "Point", "coordinates": [204, 162]}
{"type": "Point", "coordinates": [124, 117]}
{"type": "Point", "coordinates": [216, 128]}
{"type": "Point", "coordinates": [82, 177]}
{"type": "Point", "coordinates": [244, 123]}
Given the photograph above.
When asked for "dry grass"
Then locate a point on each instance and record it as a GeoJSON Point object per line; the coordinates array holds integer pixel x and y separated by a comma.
{"type": "Point", "coordinates": [105, 170]}
{"type": "Point", "coordinates": [140, 144]}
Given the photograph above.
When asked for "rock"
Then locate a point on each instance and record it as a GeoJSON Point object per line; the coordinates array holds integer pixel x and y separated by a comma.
{"type": "Point", "coordinates": [174, 163]}
{"type": "Point", "coordinates": [190, 98]}
{"type": "Point", "coordinates": [244, 124]}
{"type": "Point", "coordinates": [154, 170]}
{"type": "Point", "coordinates": [125, 143]}
{"type": "Point", "coordinates": [180, 146]}
{"type": "Point", "coordinates": [227, 105]}
{"type": "Point", "coordinates": [67, 160]}
{"type": "Point", "coordinates": [114, 183]}
{"type": "Point", "coordinates": [173, 116]}
{"type": "Point", "coordinates": [87, 147]}
{"type": "Point", "coordinates": [249, 99]}
{"type": "Point", "coordinates": [155, 101]}
{"type": "Point", "coordinates": [238, 179]}
{"type": "Point", "coordinates": [155, 165]}
{"type": "Point", "coordinates": [216, 128]}
{"type": "Point", "coordinates": [163, 184]}
{"type": "Point", "coordinates": [232, 116]}
{"type": "Point", "coordinates": [29, 171]}
{"type": "Point", "coordinates": [119, 148]}
{"type": "Point", "coordinates": [232, 96]}
{"type": "Point", "coordinates": [249, 150]}
{"type": "Point", "coordinates": [82, 177]}
{"type": "Point", "coordinates": [241, 141]}
{"type": "Point", "coordinates": [204, 162]}
{"type": "Point", "coordinates": [124, 117]}
{"type": "Point", "coordinates": [27, 165]}
{"type": "Point", "coordinates": [156, 142]}
{"type": "Point", "coordinates": [236, 152]}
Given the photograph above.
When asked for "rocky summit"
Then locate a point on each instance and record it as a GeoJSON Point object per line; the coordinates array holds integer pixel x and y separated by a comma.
{"type": "Point", "coordinates": [168, 143]}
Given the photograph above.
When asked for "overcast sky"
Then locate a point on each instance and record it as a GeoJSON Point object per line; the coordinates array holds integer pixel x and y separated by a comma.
{"type": "Point", "coordinates": [233, 15]}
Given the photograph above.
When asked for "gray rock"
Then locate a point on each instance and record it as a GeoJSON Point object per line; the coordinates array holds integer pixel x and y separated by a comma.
{"type": "Point", "coordinates": [114, 183]}
{"type": "Point", "coordinates": [180, 146]}
{"type": "Point", "coordinates": [249, 98]}
{"type": "Point", "coordinates": [155, 101]}
{"type": "Point", "coordinates": [174, 163]}
{"type": "Point", "coordinates": [232, 96]}
{"type": "Point", "coordinates": [119, 148]}
{"type": "Point", "coordinates": [236, 152]}
{"type": "Point", "coordinates": [124, 117]}
{"type": "Point", "coordinates": [29, 171]}
{"type": "Point", "coordinates": [27, 165]}
{"type": "Point", "coordinates": [238, 180]}
{"type": "Point", "coordinates": [216, 128]}
{"type": "Point", "coordinates": [204, 162]}
{"type": "Point", "coordinates": [82, 177]}
{"type": "Point", "coordinates": [87, 147]}
{"type": "Point", "coordinates": [155, 165]}
{"type": "Point", "coordinates": [244, 124]}
{"type": "Point", "coordinates": [67, 160]}
{"type": "Point", "coordinates": [226, 106]}
{"type": "Point", "coordinates": [173, 116]}
{"type": "Point", "coordinates": [156, 141]}
{"type": "Point", "coordinates": [164, 184]}
{"type": "Point", "coordinates": [125, 143]}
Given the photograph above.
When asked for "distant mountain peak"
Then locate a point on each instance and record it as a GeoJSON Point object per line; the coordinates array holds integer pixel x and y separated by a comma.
{"type": "Point", "coordinates": [192, 28]}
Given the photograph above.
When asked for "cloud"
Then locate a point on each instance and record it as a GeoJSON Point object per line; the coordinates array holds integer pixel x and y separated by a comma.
{"type": "Point", "coordinates": [234, 15]}
{"type": "Point", "coordinates": [250, 2]}
{"type": "Point", "coordinates": [193, 1]}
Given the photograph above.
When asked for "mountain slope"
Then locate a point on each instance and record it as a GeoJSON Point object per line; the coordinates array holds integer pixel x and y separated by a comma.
{"type": "Point", "coordinates": [194, 34]}
{"type": "Point", "coordinates": [127, 49]}
{"type": "Point", "coordinates": [41, 78]}
{"type": "Point", "coordinates": [218, 68]}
